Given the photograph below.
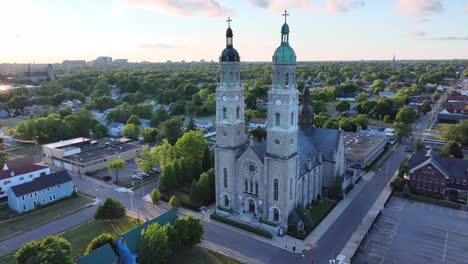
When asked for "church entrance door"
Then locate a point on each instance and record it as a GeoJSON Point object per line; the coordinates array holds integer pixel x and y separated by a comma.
{"type": "Point", "coordinates": [251, 206]}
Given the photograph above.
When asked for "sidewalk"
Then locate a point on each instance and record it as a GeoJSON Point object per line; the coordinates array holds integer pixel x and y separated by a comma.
{"type": "Point", "coordinates": [323, 227]}
{"type": "Point", "coordinates": [358, 236]}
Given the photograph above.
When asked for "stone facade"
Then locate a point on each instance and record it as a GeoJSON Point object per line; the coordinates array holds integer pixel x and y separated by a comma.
{"type": "Point", "coordinates": [292, 167]}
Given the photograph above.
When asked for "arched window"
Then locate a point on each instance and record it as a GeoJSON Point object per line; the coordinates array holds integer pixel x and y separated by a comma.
{"type": "Point", "coordinates": [277, 119]}
{"type": "Point", "coordinates": [251, 186]}
{"type": "Point", "coordinates": [246, 185]}
{"type": "Point", "coordinates": [224, 113]}
{"type": "Point", "coordinates": [225, 178]}
{"type": "Point", "coordinates": [276, 215]}
{"type": "Point", "coordinates": [237, 76]}
{"type": "Point", "coordinates": [238, 113]}
{"type": "Point", "coordinates": [290, 189]}
{"type": "Point", "coordinates": [226, 201]}
{"type": "Point", "coordinates": [224, 77]}
{"type": "Point", "coordinates": [275, 189]}
{"type": "Point", "coordinates": [292, 118]}
{"type": "Point", "coordinates": [256, 187]}
{"type": "Point", "coordinates": [230, 77]}
{"type": "Point", "coordinates": [286, 79]}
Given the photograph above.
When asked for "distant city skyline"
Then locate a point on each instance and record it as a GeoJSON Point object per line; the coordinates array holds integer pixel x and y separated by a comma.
{"type": "Point", "coordinates": [50, 31]}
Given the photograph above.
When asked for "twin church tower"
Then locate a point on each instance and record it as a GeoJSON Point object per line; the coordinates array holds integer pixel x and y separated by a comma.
{"type": "Point", "coordinates": [267, 179]}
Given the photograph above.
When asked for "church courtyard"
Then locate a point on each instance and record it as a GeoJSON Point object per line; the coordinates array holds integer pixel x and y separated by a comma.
{"type": "Point", "coordinates": [413, 232]}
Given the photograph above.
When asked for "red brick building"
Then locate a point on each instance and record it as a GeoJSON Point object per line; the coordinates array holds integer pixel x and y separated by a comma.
{"type": "Point", "coordinates": [434, 175]}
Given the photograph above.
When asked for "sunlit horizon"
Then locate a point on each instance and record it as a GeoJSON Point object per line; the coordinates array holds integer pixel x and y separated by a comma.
{"type": "Point", "coordinates": [51, 31]}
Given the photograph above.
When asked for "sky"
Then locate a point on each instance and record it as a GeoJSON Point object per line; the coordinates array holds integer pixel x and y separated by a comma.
{"type": "Point", "coordinates": [49, 31]}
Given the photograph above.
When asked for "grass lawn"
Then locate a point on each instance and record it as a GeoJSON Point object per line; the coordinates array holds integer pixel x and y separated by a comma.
{"type": "Point", "coordinates": [375, 122]}
{"type": "Point", "coordinates": [199, 255]}
{"type": "Point", "coordinates": [319, 211]}
{"type": "Point", "coordinates": [10, 123]}
{"type": "Point", "coordinates": [80, 236]}
{"type": "Point", "coordinates": [34, 219]}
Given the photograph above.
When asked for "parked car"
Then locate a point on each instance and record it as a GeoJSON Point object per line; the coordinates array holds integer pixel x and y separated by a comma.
{"type": "Point", "coordinates": [137, 176]}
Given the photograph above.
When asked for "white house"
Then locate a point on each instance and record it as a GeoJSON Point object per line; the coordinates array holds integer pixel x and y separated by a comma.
{"type": "Point", "coordinates": [257, 122]}
{"type": "Point", "coordinates": [115, 128]}
{"type": "Point", "coordinates": [12, 176]}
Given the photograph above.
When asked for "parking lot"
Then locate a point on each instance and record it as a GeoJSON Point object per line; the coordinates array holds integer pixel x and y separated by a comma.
{"type": "Point", "coordinates": [125, 175]}
{"type": "Point", "coordinates": [414, 232]}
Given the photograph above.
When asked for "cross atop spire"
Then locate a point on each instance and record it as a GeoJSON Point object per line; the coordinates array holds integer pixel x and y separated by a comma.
{"type": "Point", "coordinates": [285, 15]}
{"type": "Point", "coordinates": [229, 21]}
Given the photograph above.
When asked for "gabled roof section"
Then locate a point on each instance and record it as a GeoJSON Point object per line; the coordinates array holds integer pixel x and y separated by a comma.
{"type": "Point", "coordinates": [42, 183]}
{"type": "Point", "coordinates": [102, 255]}
{"type": "Point", "coordinates": [22, 170]}
{"type": "Point", "coordinates": [132, 237]}
{"type": "Point", "coordinates": [450, 167]}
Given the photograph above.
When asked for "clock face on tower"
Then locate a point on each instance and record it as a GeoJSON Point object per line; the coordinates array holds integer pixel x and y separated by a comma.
{"type": "Point", "coordinates": [278, 102]}
{"type": "Point", "coordinates": [224, 98]}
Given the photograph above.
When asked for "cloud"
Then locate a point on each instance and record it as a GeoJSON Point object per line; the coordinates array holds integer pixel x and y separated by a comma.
{"type": "Point", "coordinates": [210, 8]}
{"type": "Point", "coordinates": [303, 5]}
{"type": "Point", "coordinates": [419, 7]}
{"type": "Point", "coordinates": [260, 3]}
{"type": "Point", "coordinates": [338, 6]}
{"type": "Point", "coordinates": [449, 38]}
{"type": "Point", "coordinates": [417, 34]}
{"type": "Point", "coordinates": [156, 46]}
{"type": "Point", "coordinates": [116, 12]}
{"type": "Point", "coordinates": [466, 7]}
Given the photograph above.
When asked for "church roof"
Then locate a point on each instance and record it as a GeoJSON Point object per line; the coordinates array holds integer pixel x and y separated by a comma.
{"type": "Point", "coordinates": [311, 141]}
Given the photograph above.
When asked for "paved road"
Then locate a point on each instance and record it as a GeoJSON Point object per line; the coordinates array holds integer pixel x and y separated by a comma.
{"type": "Point", "coordinates": [333, 241]}
{"type": "Point", "coordinates": [51, 228]}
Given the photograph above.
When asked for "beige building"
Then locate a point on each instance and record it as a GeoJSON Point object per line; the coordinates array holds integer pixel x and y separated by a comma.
{"type": "Point", "coordinates": [86, 155]}
{"type": "Point", "coordinates": [362, 150]}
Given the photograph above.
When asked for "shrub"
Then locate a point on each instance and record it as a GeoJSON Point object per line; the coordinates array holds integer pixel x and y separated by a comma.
{"type": "Point", "coordinates": [252, 229]}
{"type": "Point", "coordinates": [110, 209]}
{"type": "Point", "coordinates": [266, 222]}
{"type": "Point", "coordinates": [190, 230]}
{"type": "Point", "coordinates": [155, 196]}
{"type": "Point", "coordinates": [51, 249]}
{"type": "Point", "coordinates": [229, 210]}
{"type": "Point", "coordinates": [398, 184]}
{"type": "Point", "coordinates": [174, 202]}
{"type": "Point", "coordinates": [154, 245]}
{"type": "Point", "coordinates": [100, 241]}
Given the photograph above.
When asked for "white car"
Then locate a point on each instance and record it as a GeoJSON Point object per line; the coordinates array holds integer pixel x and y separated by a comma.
{"type": "Point", "coordinates": [139, 177]}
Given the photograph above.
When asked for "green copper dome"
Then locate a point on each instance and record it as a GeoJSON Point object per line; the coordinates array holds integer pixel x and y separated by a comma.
{"type": "Point", "coordinates": [284, 53]}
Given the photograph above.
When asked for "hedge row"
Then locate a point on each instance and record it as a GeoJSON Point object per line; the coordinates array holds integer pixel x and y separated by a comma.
{"type": "Point", "coordinates": [249, 228]}
{"type": "Point", "coordinates": [266, 222]}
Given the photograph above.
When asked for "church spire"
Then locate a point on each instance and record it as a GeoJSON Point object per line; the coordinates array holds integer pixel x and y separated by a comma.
{"type": "Point", "coordinates": [229, 34]}
{"type": "Point", "coordinates": [285, 29]}
{"type": "Point", "coordinates": [229, 54]}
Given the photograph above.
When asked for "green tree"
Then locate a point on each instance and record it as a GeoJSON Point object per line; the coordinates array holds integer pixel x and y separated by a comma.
{"type": "Point", "coordinates": [134, 120]}
{"type": "Point", "coordinates": [99, 241]}
{"type": "Point", "coordinates": [362, 97]}
{"type": "Point", "coordinates": [258, 133]}
{"type": "Point", "coordinates": [207, 159]}
{"type": "Point", "coordinates": [452, 148]}
{"type": "Point", "coordinates": [160, 116]}
{"type": "Point", "coordinates": [51, 88]}
{"type": "Point", "coordinates": [191, 125]}
{"type": "Point", "coordinates": [109, 210]}
{"type": "Point", "coordinates": [172, 129]}
{"type": "Point", "coordinates": [131, 131]}
{"type": "Point", "coordinates": [419, 145]}
{"type": "Point", "coordinates": [342, 106]}
{"type": "Point", "coordinates": [426, 106]}
{"type": "Point", "coordinates": [150, 134]}
{"type": "Point", "coordinates": [154, 245]}
{"type": "Point", "coordinates": [102, 103]}
{"type": "Point", "coordinates": [457, 132]}
{"type": "Point", "coordinates": [195, 197]}
{"type": "Point", "coordinates": [102, 88]}
{"type": "Point", "coordinates": [115, 166]}
{"type": "Point", "coordinates": [168, 179]}
{"type": "Point", "coordinates": [147, 159]}
{"type": "Point", "coordinates": [155, 196]}
{"type": "Point", "coordinates": [401, 130]}
{"type": "Point", "coordinates": [191, 146]}
{"type": "Point", "coordinates": [4, 156]}
{"type": "Point", "coordinates": [406, 115]}
{"type": "Point", "coordinates": [173, 237]}
{"type": "Point", "coordinates": [190, 230]}
{"type": "Point", "coordinates": [337, 189]}
{"type": "Point", "coordinates": [52, 249]}
{"type": "Point", "coordinates": [203, 187]}
{"type": "Point", "coordinates": [174, 202]}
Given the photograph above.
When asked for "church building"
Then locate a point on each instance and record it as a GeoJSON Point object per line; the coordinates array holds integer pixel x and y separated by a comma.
{"type": "Point", "coordinates": [294, 165]}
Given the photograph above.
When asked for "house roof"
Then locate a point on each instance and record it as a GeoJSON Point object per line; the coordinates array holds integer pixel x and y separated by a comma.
{"type": "Point", "coordinates": [102, 255]}
{"type": "Point", "coordinates": [16, 163]}
{"type": "Point", "coordinates": [42, 183]}
{"type": "Point", "coordinates": [450, 167]}
{"type": "Point", "coordinates": [132, 237]}
{"type": "Point", "coordinates": [28, 168]}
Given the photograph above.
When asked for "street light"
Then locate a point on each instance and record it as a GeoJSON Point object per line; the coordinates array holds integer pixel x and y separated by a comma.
{"type": "Point", "coordinates": [131, 199]}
